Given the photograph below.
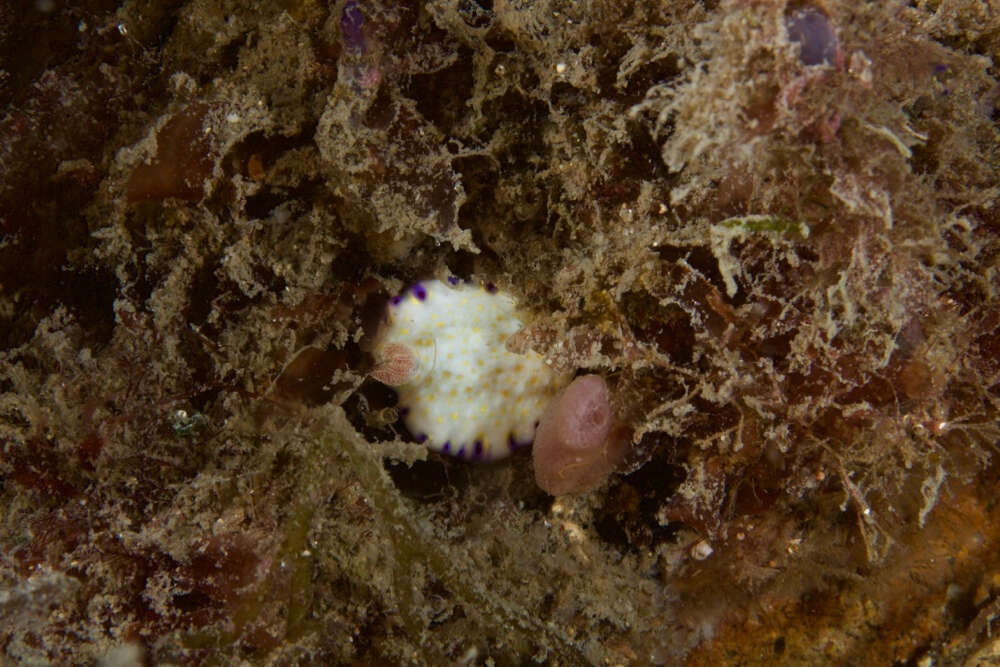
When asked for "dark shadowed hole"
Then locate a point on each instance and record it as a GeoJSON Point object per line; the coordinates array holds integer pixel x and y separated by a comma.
{"type": "Point", "coordinates": [90, 296]}
{"type": "Point", "coordinates": [567, 96]}
{"type": "Point", "coordinates": [422, 481]}
{"type": "Point", "coordinates": [610, 529]}
{"type": "Point", "coordinates": [205, 287]}
{"type": "Point", "coordinates": [500, 42]}
{"type": "Point", "coordinates": [191, 602]}
{"type": "Point", "coordinates": [441, 96]}
{"type": "Point", "coordinates": [370, 408]}
{"type": "Point", "coordinates": [429, 481]}
{"type": "Point", "coordinates": [701, 260]}
{"type": "Point", "coordinates": [628, 520]}
{"type": "Point", "coordinates": [34, 41]}
{"type": "Point", "coordinates": [658, 72]}
{"type": "Point", "coordinates": [476, 13]}
{"type": "Point", "coordinates": [479, 177]}
{"type": "Point", "coordinates": [228, 59]}
{"type": "Point", "coordinates": [667, 327]}
{"type": "Point", "coordinates": [778, 348]}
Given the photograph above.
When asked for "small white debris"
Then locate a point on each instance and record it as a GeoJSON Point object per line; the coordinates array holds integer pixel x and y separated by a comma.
{"type": "Point", "coordinates": [701, 550]}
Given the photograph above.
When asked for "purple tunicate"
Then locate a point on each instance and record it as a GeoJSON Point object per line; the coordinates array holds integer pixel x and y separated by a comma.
{"type": "Point", "coordinates": [352, 23]}
{"type": "Point", "coordinates": [810, 28]}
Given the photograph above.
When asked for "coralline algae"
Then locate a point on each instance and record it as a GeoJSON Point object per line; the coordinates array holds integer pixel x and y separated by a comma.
{"type": "Point", "coordinates": [460, 390]}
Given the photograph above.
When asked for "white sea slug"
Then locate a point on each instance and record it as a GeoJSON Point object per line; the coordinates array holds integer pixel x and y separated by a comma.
{"type": "Point", "coordinates": [460, 390]}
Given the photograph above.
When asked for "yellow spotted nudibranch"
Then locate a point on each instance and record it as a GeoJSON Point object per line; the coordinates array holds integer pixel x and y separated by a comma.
{"type": "Point", "coordinates": [461, 391]}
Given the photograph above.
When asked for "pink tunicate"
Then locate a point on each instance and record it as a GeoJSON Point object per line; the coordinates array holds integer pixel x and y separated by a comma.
{"type": "Point", "coordinates": [579, 441]}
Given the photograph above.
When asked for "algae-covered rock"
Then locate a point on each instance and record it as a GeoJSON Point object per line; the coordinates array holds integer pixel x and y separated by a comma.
{"type": "Point", "coordinates": [770, 227]}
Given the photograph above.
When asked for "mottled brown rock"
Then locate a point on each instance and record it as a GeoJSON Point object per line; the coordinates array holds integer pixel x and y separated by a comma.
{"type": "Point", "coordinates": [183, 160]}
